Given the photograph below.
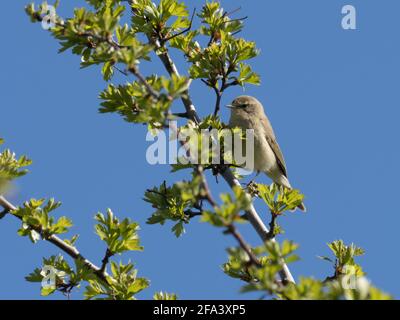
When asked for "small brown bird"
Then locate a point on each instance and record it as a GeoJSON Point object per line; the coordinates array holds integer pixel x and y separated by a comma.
{"type": "Point", "coordinates": [248, 113]}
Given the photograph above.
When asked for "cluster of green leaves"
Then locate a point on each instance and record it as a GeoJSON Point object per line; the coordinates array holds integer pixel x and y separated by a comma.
{"type": "Point", "coordinates": [175, 203]}
{"type": "Point", "coordinates": [223, 58]}
{"type": "Point", "coordinates": [344, 258]}
{"type": "Point", "coordinates": [122, 284]}
{"type": "Point", "coordinates": [36, 221]}
{"type": "Point", "coordinates": [215, 21]}
{"type": "Point", "coordinates": [133, 102]}
{"type": "Point", "coordinates": [64, 277]}
{"type": "Point", "coordinates": [154, 20]}
{"type": "Point", "coordinates": [279, 199]}
{"type": "Point", "coordinates": [348, 281]}
{"type": "Point", "coordinates": [228, 212]}
{"type": "Point", "coordinates": [165, 296]}
{"type": "Point", "coordinates": [11, 167]}
{"type": "Point", "coordinates": [263, 278]}
{"type": "Point", "coordinates": [120, 236]}
{"type": "Point", "coordinates": [90, 34]}
{"type": "Point", "coordinates": [260, 277]}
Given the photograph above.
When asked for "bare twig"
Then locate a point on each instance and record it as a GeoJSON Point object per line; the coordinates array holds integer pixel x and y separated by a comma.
{"type": "Point", "coordinates": [120, 70]}
{"type": "Point", "coordinates": [181, 115]}
{"type": "Point", "coordinates": [229, 13]}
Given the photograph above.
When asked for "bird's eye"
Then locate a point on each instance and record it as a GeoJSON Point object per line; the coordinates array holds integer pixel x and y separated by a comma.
{"type": "Point", "coordinates": [243, 105]}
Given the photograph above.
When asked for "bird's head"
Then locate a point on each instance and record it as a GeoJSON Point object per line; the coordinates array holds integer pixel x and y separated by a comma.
{"type": "Point", "coordinates": [246, 104]}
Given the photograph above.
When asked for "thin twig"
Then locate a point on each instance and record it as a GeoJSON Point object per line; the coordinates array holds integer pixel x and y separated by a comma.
{"type": "Point", "coordinates": [232, 12]}
{"type": "Point", "coordinates": [253, 259]}
{"type": "Point", "coordinates": [191, 213]}
{"type": "Point", "coordinates": [164, 40]}
{"type": "Point", "coordinates": [237, 19]}
{"type": "Point", "coordinates": [120, 71]}
{"type": "Point", "coordinates": [181, 115]}
{"type": "Point", "coordinates": [106, 260]}
{"type": "Point", "coordinates": [272, 225]}
{"type": "Point", "coordinates": [134, 70]}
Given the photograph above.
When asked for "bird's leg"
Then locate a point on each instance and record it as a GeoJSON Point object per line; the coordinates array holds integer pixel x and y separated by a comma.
{"type": "Point", "coordinates": [251, 187]}
{"type": "Point", "coordinates": [252, 180]}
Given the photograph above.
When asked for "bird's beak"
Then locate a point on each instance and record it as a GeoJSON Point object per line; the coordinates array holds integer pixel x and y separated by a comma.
{"type": "Point", "coordinates": [229, 106]}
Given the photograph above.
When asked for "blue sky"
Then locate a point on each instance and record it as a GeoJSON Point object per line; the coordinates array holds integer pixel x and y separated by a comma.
{"type": "Point", "coordinates": [332, 97]}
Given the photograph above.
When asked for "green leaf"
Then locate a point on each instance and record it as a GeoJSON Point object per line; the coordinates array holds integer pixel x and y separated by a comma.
{"type": "Point", "coordinates": [165, 296]}
{"type": "Point", "coordinates": [138, 285]}
{"type": "Point", "coordinates": [46, 291]}
{"type": "Point", "coordinates": [119, 235]}
{"type": "Point", "coordinates": [178, 229]}
{"type": "Point", "coordinates": [36, 219]}
{"type": "Point", "coordinates": [107, 70]}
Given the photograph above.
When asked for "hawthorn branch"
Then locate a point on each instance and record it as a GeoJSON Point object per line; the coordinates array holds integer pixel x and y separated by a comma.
{"type": "Point", "coordinates": [135, 71]}
{"type": "Point", "coordinates": [58, 242]}
{"type": "Point", "coordinates": [272, 225]}
{"type": "Point", "coordinates": [227, 174]}
{"type": "Point", "coordinates": [235, 233]}
{"type": "Point", "coordinates": [106, 260]}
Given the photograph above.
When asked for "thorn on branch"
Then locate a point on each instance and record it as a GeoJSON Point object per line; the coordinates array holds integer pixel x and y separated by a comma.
{"type": "Point", "coordinates": [181, 115]}
{"type": "Point", "coordinates": [120, 71]}
{"type": "Point", "coordinates": [227, 14]}
{"type": "Point", "coordinates": [238, 19]}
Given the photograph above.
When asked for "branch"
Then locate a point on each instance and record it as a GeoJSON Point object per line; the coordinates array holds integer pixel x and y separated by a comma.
{"type": "Point", "coordinates": [272, 225]}
{"type": "Point", "coordinates": [227, 174]}
{"type": "Point", "coordinates": [233, 231]}
{"type": "Point", "coordinates": [164, 40]}
{"type": "Point", "coordinates": [61, 244]}
{"type": "Point", "coordinates": [135, 71]}
{"type": "Point", "coordinates": [105, 260]}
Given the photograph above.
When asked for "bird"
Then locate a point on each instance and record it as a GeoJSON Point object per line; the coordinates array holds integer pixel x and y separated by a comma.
{"type": "Point", "coordinates": [248, 113]}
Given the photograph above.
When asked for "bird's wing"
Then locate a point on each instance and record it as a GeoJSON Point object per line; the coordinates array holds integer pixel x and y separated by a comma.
{"type": "Point", "coordinates": [270, 136]}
